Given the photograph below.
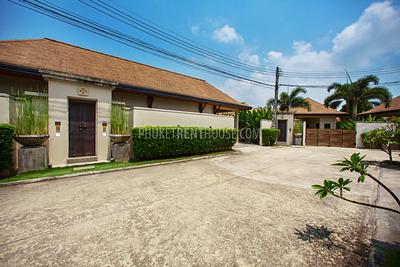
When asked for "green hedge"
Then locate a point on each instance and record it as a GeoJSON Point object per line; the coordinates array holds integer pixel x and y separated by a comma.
{"type": "Point", "coordinates": [163, 142]}
{"type": "Point", "coordinates": [6, 139]}
{"type": "Point", "coordinates": [269, 136]}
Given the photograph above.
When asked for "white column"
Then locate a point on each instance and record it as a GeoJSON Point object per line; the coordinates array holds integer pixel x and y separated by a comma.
{"type": "Point", "coordinates": [4, 108]}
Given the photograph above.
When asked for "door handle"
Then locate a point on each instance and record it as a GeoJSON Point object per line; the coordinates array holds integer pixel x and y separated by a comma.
{"type": "Point", "coordinates": [82, 127]}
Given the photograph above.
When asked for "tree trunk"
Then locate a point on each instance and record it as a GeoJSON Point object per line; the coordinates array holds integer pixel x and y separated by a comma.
{"type": "Point", "coordinates": [355, 110]}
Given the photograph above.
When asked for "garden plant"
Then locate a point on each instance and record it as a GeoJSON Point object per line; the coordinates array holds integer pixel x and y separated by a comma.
{"type": "Point", "coordinates": [384, 138]}
{"type": "Point", "coordinates": [119, 119]}
{"type": "Point", "coordinates": [337, 188]}
{"type": "Point", "coordinates": [249, 123]}
{"type": "Point", "coordinates": [31, 113]}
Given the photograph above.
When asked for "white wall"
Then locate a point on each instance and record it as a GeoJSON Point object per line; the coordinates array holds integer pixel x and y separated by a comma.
{"type": "Point", "coordinates": [4, 108]}
{"type": "Point", "coordinates": [59, 93]}
{"type": "Point", "coordinates": [162, 117]}
{"type": "Point", "coordinates": [265, 124]}
{"type": "Point", "coordinates": [330, 120]}
{"type": "Point", "coordinates": [289, 117]}
{"type": "Point", "coordinates": [363, 127]}
{"type": "Point", "coordinates": [138, 100]}
{"type": "Point", "coordinates": [312, 122]}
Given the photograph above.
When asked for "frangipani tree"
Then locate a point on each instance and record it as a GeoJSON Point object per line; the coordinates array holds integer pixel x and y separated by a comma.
{"type": "Point", "coordinates": [354, 164]}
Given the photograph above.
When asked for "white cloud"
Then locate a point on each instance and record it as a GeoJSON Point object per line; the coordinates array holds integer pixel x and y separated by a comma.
{"type": "Point", "coordinates": [195, 29]}
{"type": "Point", "coordinates": [368, 42]}
{"type": "Point", "coordinates": [374, 34]}
{"type": "Point", "coordinates": [227, 34]}
{"type": "Point", "coordinates": [249, 58]}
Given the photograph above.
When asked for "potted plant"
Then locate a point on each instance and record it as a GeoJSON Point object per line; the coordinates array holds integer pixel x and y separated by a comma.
{"type": "Point", "coordinates": [298, 132]}
{"type": "Point", "coordinates": [31, 118]}
{"type": "Point", "coordinates": [119, 123]}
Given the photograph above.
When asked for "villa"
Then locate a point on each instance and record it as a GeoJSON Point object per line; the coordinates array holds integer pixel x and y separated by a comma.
{"type": "Point", "coordinates": [81, 86]}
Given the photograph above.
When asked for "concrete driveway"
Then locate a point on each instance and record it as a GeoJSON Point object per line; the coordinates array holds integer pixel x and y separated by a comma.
{"type": "Point", "coordinates": [253, 208]}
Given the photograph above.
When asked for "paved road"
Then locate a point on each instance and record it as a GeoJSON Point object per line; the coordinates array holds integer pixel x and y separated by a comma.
{"type": "Point", "coordinates": [253, 208]}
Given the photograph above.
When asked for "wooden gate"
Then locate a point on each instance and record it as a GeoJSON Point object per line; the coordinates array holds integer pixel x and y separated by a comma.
{"type": "Point", "coordinates": [330, 137]}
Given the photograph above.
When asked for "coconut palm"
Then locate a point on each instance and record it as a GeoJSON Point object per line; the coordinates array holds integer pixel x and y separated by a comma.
{"type": "Point", "coordinates": [286, 101]}
{"type": "Point", "coordinates": [358, 96]}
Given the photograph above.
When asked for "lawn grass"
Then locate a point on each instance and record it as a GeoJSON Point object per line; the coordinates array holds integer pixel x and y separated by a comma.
{"type": "Point", "coordinates": [51, 172]}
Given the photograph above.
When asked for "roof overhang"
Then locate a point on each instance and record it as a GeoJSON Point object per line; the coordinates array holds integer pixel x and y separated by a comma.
{"type": "Point", "coordinates": [117, 86]}
{"type": "Point", "coordinates": [321, 114]}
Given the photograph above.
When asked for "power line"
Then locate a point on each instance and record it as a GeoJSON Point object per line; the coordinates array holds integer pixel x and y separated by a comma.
{"type": "Point", "coordinates": [76, 20]}
{"type": "Point", "coordinates": [350, 72]}
{"type": "Point", "coordinates": [155, 31]}
{"type": "Point", "coordinates": [332, 76]}
{"type": "Point", "coordinates": [141, 25]}
{"type": "Point", "coordinates": [326, 86]}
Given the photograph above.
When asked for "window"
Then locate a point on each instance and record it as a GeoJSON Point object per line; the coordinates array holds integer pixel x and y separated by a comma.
{"type": "Point", "coordinates": [327, 125]}
{"type": "Point", "coordinates": [317, 125]}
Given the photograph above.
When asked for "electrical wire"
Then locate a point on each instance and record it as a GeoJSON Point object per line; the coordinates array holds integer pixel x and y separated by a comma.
{"type": "Point", "coordinates": [73, 19]}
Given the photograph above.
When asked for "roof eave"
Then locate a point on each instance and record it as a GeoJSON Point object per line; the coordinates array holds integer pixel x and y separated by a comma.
{"type": "Point", "coordinates": [379, 111]}
{"type": "Point", "coordinates": [67, 76]}
{"type": "Point", "coordinates": [150, 91]}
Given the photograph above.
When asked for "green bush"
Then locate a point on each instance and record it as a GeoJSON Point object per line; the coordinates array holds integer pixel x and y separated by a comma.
{"type": "Point", "coordinates": [6, 139]}
{"type": "Point", "coordinates": [269, 136]}
{"type": "Point", "coordinates": [163, 142]}
{"type": "Point", "coordinates": [249, 124]}
{"type": "Point", "coordinates": [349, 125]}
{"type": "Point", "coordinates": [374, 139]}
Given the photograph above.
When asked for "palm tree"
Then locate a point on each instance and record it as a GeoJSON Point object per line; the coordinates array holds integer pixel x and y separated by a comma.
{"type": "Point", "coordinates": [286, 101]}
{"type": "Point", "coordinates": [358, 96]}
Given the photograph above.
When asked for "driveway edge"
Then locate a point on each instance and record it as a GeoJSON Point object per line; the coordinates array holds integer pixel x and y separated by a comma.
{"type": "Point", "coordinates": [50, 178]}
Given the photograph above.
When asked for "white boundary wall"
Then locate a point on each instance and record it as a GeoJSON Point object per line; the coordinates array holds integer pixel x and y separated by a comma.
{"type": "Point", "coordinates": [363, 127]}
{"type": "Point", "coordinates": [141, 117]}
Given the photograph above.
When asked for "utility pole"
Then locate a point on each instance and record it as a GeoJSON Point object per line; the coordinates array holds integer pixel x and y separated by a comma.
{"type": "Point", "coordinates": [275, 122]}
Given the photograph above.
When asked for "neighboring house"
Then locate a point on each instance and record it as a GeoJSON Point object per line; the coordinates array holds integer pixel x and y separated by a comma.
{"type": "Point", "coordinates": [87, 82]}
{"type": "Point", "coordinates": [318, 116]}
{"type": "Point", "coordinates": [382, 111]}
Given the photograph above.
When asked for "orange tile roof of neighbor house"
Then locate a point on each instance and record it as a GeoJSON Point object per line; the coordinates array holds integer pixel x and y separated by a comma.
{"type": "Point", "coordinates": [317, 109]}
{"type": "Point", "coordinates": [394, 106]}
{"type": "Point", "coordinates": [48, 54]}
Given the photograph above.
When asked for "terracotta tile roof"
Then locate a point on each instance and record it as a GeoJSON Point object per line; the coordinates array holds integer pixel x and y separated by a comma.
{"type": "Point", "coordinates": [394, 106]}
{"type": "Point", "coordinates": [317, 109]}
{"type": "Point", "coordinates": [47, 54]}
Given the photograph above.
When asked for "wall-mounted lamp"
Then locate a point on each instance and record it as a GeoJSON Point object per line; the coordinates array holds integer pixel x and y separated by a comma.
{"type": "Point", "coordinates": [104, 125]}
{"type": "Point", "coordinates": [58, 127]}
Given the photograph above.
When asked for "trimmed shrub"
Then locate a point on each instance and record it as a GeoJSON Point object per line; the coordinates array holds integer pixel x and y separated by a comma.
{"type": "Point", "coordinates": [269, 136]}
{"type": "Point", "coordinates": [6, 139]}
{"type": "Point", "coordinates": [349, 125]}
{"type": "Point", "coordinates": [164, 142]}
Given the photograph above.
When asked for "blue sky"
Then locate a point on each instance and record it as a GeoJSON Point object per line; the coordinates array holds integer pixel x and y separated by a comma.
{"type": "Point", "coordinates": [295, 35]}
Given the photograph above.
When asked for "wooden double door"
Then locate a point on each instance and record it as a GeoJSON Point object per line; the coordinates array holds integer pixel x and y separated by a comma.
{"type": "Point", "coordinates": [82, 130]}
{"type": "Point", "coordinates": [282, 126]}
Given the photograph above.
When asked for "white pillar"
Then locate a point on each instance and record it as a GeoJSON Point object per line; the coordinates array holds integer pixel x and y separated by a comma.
{"type": "Point", "coordinates": [4, 108]}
